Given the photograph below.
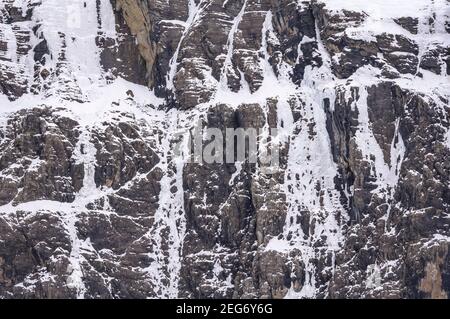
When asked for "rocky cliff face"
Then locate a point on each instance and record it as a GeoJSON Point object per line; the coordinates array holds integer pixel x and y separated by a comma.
{"type": "Point", "coordinates": [95, 97]}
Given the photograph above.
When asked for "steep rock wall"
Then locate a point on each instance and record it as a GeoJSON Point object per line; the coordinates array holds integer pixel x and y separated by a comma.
{"type": "Point", "coordinates": [96, 204]}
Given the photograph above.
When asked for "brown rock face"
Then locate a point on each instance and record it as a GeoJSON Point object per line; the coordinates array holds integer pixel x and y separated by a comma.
{"type": "Point", "coordinates": [36, 160]}
{"type": "Point", "coordinates": [98, 198]}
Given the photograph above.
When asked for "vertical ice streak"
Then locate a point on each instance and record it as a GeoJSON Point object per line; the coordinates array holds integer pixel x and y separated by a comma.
{"type": "Point", "coordinates": [169, 227]}
{"type": "Point", "coordinates": [173, 65]}
{"type": "Point", "coordinates": [228, 63]}
{"type": "Point", "coordinates": [309, 177]}
{"type": "Point", "coordinates": [85, 153]}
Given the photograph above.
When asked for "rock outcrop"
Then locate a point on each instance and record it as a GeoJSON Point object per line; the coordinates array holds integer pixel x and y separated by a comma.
{"type": "Point", "coordinates": [97, 99]}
